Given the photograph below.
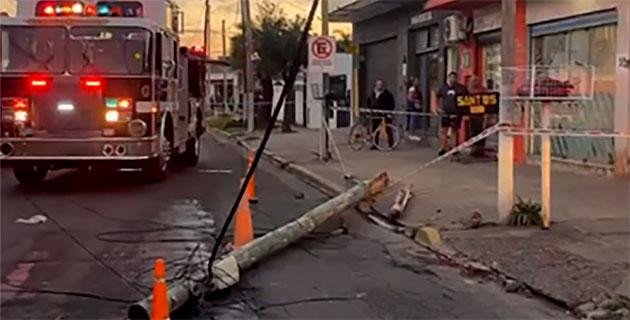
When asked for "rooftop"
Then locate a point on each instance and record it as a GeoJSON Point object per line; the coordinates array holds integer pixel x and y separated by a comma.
{"type": "Point", "coordinates": [360, 10]}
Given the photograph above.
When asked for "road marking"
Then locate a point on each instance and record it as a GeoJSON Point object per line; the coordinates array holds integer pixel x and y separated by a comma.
{"type": "Point", "coordinates": [215, 171]}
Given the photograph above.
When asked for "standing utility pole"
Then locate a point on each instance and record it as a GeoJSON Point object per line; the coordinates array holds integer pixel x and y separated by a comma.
{"type": "Point", "coordinates": [249, 66]}
{"type": "Point", "coordinates": [513, 55]}
{"type": "Point", "coordinates": [206, 30]}
{"type": "Point", "coordinates": [324, 153]}
{"type": "Point", "coordinates": [225, 85]}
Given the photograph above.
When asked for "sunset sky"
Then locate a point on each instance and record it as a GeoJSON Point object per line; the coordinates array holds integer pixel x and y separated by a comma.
{"type": "Point", "coordinates": [229, 10]}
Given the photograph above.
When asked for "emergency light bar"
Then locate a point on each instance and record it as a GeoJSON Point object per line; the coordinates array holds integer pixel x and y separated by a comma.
{"type": "Point", "coordinates": [129, 9]}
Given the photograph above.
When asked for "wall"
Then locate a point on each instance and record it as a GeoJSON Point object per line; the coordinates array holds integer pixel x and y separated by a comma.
{"type": "Point", "coordinates": [343, 65]}
{"type": "Point", "coordinates": [393, 24]}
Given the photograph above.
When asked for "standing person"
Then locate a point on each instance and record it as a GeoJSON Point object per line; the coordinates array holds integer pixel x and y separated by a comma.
{"type": "Point", "coordinates": [477, 121]}
{"type": "Point", "coordinates": [414, 104]}
{"type": "Point", "coordinates": [448, 110]}
{"type": "Point", "coordinates": [382, 99]}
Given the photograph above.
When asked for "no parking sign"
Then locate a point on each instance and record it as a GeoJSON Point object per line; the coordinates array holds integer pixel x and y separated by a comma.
{"type": "Point", "coordinates": [321, 51]}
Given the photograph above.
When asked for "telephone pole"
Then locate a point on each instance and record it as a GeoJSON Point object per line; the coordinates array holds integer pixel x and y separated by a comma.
{"type": "Point", "coordinates": [225, 85]}
{"type": "Point", "coordinates": [324, 153]}
{"type": "Point", "coordinates": [249, 66]}
{"type": "Point", "coordinates": [206, 30]}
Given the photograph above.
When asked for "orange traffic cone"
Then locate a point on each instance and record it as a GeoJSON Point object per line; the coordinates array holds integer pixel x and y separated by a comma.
{"type": "Point", "coordinates": [251, 187]}
{"type": "Point", "coordinates": [160, 307]}
{"type": "Point", "coordinates": [243, 226]}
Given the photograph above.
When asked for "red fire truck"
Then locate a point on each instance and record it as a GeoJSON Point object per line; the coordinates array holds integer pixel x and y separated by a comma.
{"type": "Point", "coordinates": [103, 83]}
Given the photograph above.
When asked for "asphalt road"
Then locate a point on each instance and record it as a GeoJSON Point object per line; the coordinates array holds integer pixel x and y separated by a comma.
{"type": "Point", "coordinates": [104, 230]}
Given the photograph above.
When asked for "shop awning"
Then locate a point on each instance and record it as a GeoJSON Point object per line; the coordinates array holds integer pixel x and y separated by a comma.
{"type": "Point", "coordinates": [456, 4]}
{"type": "Point", "coordinates": [360, 10]}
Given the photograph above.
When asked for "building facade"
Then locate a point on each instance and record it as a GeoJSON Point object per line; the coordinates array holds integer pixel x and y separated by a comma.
{"type": "Point", "coordinates": [397, 42]}
{"type": "Point", "coordinates": [557, 33]}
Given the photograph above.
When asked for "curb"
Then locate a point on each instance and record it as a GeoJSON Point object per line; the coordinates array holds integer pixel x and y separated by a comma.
{"type": "Point", "coordinates": [431, 239]}
{"type": "Point", "coordinates": [313, 179]}
{"type": "Point", "coordinates": [463, 260]}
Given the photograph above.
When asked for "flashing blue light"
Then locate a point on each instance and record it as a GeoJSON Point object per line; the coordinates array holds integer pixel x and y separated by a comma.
{"type": "Point", "coordinates": [111, 102]}
{"type": "Point", "coordinates": [103, 10]}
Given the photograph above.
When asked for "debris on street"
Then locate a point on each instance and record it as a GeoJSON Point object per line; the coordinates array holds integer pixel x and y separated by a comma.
{"type": "Point", "coordinates": [36, 219]}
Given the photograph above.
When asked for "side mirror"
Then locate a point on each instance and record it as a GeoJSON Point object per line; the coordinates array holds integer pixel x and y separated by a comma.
{"type": "Point", "coordinates": [168, 65]}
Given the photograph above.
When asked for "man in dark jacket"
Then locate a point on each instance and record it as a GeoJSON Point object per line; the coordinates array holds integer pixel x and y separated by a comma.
{"type": "Point", "coordinates": [451, 121]}
{"type": "Point", "coordinates": [382, 99]}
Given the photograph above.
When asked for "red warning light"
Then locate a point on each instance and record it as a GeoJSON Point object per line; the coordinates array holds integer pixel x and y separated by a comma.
{"type": "Point", "coordinates": [92, 83]}
{"type": "Point", "coordinates": [38, 83]}
{"type": "Point", "coordinates": [90, 10]}
{"type": "Point", "coordinates": [20, 104]}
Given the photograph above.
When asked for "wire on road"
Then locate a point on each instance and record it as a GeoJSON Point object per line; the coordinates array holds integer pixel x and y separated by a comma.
{"type": "Point", "coordinates": [86, 249]}
{"type": "Point", "coordinates": [23, 289]}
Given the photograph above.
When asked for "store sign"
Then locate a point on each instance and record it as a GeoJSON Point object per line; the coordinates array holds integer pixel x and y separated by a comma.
{"type": "Point", "coordinates": [482, 103]}
{"type": "Point", "coordinates": [421, 18]}
{"type": "Point", "coordinates": [488, 22]}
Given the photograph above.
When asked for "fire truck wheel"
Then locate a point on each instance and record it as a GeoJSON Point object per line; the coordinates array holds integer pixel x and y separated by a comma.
{"type": "Point", "coordinates": [156, 169]}
{"type": "Point", "coordinates": [193, 149]}
{"type": "Point", "coordinates": [30, 174]}
{"type": "Point", "coordinates": [199, 128]}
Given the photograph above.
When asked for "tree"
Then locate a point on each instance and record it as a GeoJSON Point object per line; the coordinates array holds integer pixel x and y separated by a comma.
{"type": "Point", "coordinates": [276, 40]}
{"type": "Point", "coordinates": [344, 42]}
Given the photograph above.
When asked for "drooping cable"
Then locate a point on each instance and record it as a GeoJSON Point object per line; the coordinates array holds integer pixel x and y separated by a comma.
{"type": "Point", "coordinates": [295, 66]}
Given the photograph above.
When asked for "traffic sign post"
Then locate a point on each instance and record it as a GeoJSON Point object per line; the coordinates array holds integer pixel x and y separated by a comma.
{"type": "Point", "coordinates": [321, 52]}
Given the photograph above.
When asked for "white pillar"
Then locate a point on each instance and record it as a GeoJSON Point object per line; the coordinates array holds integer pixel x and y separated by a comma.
{"type": "Point", "coordinates": [622, 93]}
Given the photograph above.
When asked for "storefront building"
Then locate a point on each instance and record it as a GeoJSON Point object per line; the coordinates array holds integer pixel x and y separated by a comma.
{"type": "Point", "coordinates": [559, 33]}
{"type": "Point", "coordinates": [398, 41]}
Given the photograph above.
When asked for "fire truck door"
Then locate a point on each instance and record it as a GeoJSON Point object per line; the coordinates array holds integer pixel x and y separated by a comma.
{"type": "Point", "coordinates": [182, 95]}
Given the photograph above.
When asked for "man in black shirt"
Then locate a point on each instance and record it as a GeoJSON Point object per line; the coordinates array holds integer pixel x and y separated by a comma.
{"type": "Point", "coordinates": [448, 110]}
{"type": "Point", "coordinates": [382, 99]}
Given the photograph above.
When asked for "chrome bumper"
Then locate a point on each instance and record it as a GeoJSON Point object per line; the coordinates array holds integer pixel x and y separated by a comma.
{"type": "Point", "coordinates": [74, 149]}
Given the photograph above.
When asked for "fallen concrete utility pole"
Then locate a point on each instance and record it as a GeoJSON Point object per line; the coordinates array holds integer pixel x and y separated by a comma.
{"type": "Point", "coordinates": [400, 203]}
{"type": "Point", "coordinates": [226, 272]}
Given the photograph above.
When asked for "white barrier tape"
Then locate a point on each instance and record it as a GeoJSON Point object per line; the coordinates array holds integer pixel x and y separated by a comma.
{"type": "Point", "coordinates": [346, 173]}
{"type": "Point", "coordinates": [484, 134]}
{"type": "Point", "coordinates": [404, 113]}
{"type": "Point", "coordinates": [564, 133]}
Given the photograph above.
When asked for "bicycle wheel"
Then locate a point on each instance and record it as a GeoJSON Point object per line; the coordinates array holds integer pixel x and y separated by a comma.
{"type": "Point", "coordinates": [386, 137]}
{"type": "Point", "coordinates": [358, 137]}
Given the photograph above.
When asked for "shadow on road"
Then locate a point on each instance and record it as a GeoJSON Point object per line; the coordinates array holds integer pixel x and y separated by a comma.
{"type": "Point", "coordinates": [73, 181]}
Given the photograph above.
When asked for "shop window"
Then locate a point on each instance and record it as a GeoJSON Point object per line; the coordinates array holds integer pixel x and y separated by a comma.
{"type": "Point", "coordinates": [492, 65]}
{"type": "Point", "coordinates": [596, 47]}
{"type": "Point", "coordinates": [434, 37]}
{"type": "Point", "coordinates": [427, 39]}
{"type": "Point", "coordinates": [422, 40]}
{"type": "Point", "coordinates": [592, 46]}
{"type": "Point", "coordinates": [602, 44]}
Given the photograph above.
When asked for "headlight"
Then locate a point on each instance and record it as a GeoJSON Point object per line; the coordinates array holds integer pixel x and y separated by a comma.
{"type": "Point", "coordinates": [137, 128]}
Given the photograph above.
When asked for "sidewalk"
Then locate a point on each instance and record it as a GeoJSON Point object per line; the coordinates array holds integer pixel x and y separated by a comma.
{"type": "Point", "coordinates": [586, 252]}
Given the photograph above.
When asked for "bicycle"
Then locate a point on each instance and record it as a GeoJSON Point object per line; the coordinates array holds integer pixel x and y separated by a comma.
{"type": "Point", "coordinates": [361, 134]}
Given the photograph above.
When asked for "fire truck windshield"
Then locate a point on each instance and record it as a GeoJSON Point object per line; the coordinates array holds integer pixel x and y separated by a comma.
{"type": "Point", "coordinates": [109, 50]}
{"type": "Point", "coordinates": [79, 50]}
{"type": "Point", "coordinates": [33, 49]}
